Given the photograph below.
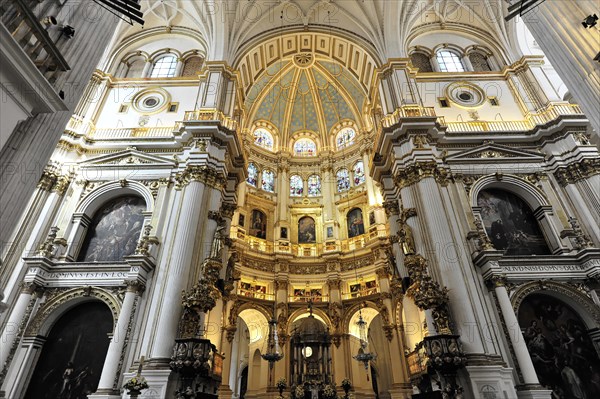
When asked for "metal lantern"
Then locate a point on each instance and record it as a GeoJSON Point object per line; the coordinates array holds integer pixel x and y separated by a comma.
{"type": "Point", "coordinates": [363, 355]}
{"type": "Point", "coordinates": [272, 352]}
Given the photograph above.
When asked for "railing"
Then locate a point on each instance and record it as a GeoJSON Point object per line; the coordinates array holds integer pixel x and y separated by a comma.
{"type": "Point", "coordinates": [31, 36]}
{"type": "Point", "coordinates": [255, 294]}
{"type": "Point", "coordinates": [531, 121]}
{"type": "Point", "coordinates": [126, 133]}
{"type": "Point", "coordinates": [210, 115]}
{"type": "Point", "coordinates": [408, 111]}
{"type": "Point", "coordinates": [307, 298]}
{"type": "Point", "coordinates": [361, 293]}
{"type": "Point", "coordinates": [79, 127]}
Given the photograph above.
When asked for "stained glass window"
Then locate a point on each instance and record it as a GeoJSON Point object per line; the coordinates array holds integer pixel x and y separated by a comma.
{"type": "Point", "coordinates": [263, 138]}
{"type": "Point", "coordinates": [296, 186]}
{"type": "Point", "coordinates": [268, 181]}
{"type": "Point", "coordinates": [345, 137]}
{"type": "Point", "coordinates": [252, 174]}
{"type": "Point", "coordinates": [359, 173]}
{"type": "Point", "coordinates": [305, 148]}
{"type": "Point", "coordinates": [164, 67]}
{"type": "Point", "coordinates": [343, 180]}
{"type": "Point", "coordinates": [449, 61]}
{"type": "Point", "coordinates": [314, 186]}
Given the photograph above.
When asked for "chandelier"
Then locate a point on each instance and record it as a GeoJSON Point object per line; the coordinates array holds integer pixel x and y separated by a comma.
{"type": "Point", "coordinates": [272, 352]}
{"type": "Point", "coordinates": [363, 355]}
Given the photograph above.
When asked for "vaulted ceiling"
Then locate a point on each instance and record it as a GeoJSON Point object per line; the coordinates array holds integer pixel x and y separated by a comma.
{"type": "Point", "coordinates": [387, 25]}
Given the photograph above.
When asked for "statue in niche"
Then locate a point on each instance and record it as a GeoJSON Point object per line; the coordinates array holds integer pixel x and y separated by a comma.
{"type": "Point", "coordinates": [217, 244]}
{"type": "Point", "coordinates": [407, 240]}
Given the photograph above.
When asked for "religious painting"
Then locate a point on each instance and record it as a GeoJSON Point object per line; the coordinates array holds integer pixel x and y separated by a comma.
{"type": "Point", "coordinates": [354, 290]}
{"type": "Point", "coordinates": [258, 224]}
{"type": "Point", "coordinates": [114, 231]}
{"type": "Point", "coordinates": [306, 230]}
{"type": "Point", "coordinates": [562, 352]}
{"type": "Point", "coordinates": [356, 226]}
{"type": "Point", "coordinates": [371, 287]}
{"type": "Point", "coordinates": [510, 224]}
{"type": "Point", "coordinates": [241, 220]}
{"type": "Point", "coordinates": [371, 218]}
{"type": "Point", "coordinates": [329, 231]}
{"type": "Point", "coordinates": [284, 233]}
{"type": "Point", "coordinates": [72, 357]}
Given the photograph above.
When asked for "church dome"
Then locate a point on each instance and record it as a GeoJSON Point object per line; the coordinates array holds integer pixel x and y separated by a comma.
{"type": "Point", "coordinates": [311, 326]}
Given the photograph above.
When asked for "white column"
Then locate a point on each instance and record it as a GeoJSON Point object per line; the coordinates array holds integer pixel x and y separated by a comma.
{"type": "Point", "coordinates": [516, 337]}
{"type": "Point", "coordinates": [111, 362]}
{"type": "Point", "coordinates": [11, 329]}
{"type": "Point", "coordinates": [179, 260]}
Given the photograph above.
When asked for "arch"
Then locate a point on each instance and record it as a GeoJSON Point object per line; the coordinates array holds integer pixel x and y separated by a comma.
{"type": "Point", "coordinates": [421, 61]}
{"type": "Point", "coordinates": [449, 60]}
{"type": "Point", "coordinates": [296, 186]}
{"type": "Point", "coordinates": [263, 138]}
{"type": "Point", "coordinates": [192, 64]}
{"type": "Point", "coordinates": [345, 137]}
{"type": "Point", "coordinates": [73, 355]}
{"type": "Point", "coordinates": [343, 180]}
{"type": "Point", "coordinates": [164, 66]}
{"type": "Point", "coordinates": [581, 303]}
{"type": "Point", "coordinates": [104, 193]}
{"type": "Point", "coordinates": [57, 305]}
{"type": "Point", "coordinates": [252, 178]}
{"type": "Point", "coordinates": [152, 34]}
{"type": "Point", "coordinates": [114, 230]}
{"type": "Point", "coordinates": [299, 314]}
{"type": "Point", "coordinates": [358, 173]}
{"type": "Point", "coordinates": [522, 188]}
{"type": "Point", "coordinates": [368, 310]}
{"type": "Point", "coordinates": [268, 180]}
{"type": "Point", "coordinates": [305, 147]}
{"type": "Point", "coordinates": [314, 185]}
{"type": "Point", "coordinates": [256, 321]}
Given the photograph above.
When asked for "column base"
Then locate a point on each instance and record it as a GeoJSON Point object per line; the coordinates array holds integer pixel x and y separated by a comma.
{"type": "Point", "coordinates": [158, 381]}
{"type": "Point", "coordinates": [401, 391]}
{"type": "Point", "coordinates": [224, 392]}
{"type": "Point", "coordinates": [533, 392]}
{"type": "Point", "coordinates": [492, 379]}
{"type": "Point", "coordinates": [105, 394]}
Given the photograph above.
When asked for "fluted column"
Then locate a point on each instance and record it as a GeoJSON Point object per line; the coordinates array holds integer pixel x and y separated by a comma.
{"type": "Point", "coordinates": [117, 343]}
{"type": "Point", "coordinates": [15, 322]}
{"type": "Point", "coordinates": [515, 334]}
{"type": "Point", "coordinates": [179, 262]}
{"type": "Point", "coordinates": [571, 48]}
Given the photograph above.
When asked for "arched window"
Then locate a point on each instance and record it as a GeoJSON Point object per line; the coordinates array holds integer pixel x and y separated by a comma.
{"type": "Point", "coordinates": [449, 61]}
{"type": "Point", "coordinates": [263, 138]}
{"type": "Point", "coordinates": [114, 231]}
{"type": "Point", "coordinates": [345, 137]}
{"type": "Point", "coordinates": [296, 186]}
{"type": "Point", "coordinates": [67, 360]}
{"type": "Point", "coordinates": [560, 345]}
{"type": "Point", "coordinates": [479, 62]}
{"type": "Point", "coordinates": [306, 230]}
{"type": "Point", "coordinates": [510, 223]}
{"type": "Point", "coordinates": [136, 67]}
{"type": "Point", "coordinates": [314, 186]}
{"type": "Point", "coordinates": [421, 61]}
{"type": "Point", "coordinates": [359, 173]}
{"type": "Point", "coordinates": [252, 174]}
{"type": "Point", "coordinates": [343, 180]}
{"type": "Point", "coordinates": [258, 224]}
{"type": "Point", "coordinates": [192, 66]}
{"type": "Point", "coordinates": [354, 221]}
{"type": "Point", "coordinates": [305, 148]}
{"type": "Point", "coordinates": [268, 181]}
{"type": "Point", "coordinates": [164, 67]}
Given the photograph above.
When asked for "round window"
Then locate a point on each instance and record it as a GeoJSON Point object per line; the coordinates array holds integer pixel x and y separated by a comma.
{"type": "Point", "coordinates": [465, 94]}
{"type": "Point", "coordinates": [151, 102]}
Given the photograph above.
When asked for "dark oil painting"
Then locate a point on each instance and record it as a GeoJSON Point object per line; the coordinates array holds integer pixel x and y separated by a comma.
{"type": "Point", "coordinates": [258, 224]}
{"type": "Point", "coordinates": [306, 230]}
{"type": "Point", "coordinates": [563, 355]}
{"type": "Point", "coordinates": [72, 357]}
{"type": "Point", "coordinates": [114, 231]}
{"type": "Point", "coordinates": [510, 224]}
{"type": "Point", "coordinates": [355, 222]}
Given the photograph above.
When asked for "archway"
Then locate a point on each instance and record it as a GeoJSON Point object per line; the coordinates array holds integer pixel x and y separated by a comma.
{"type": "Point", "coordinates": [562, 352]}
{"type": "Point", "coordinates": [71, 361]}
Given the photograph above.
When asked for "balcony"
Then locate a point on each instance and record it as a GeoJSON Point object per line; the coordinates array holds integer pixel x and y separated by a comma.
{"type": "Point", "coordinates": [27, 31]}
